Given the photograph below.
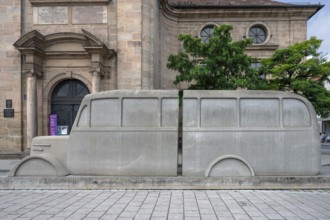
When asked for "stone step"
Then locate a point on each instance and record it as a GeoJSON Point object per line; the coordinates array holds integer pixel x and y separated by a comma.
{"type": "Point", "coordinates": [147, 183]}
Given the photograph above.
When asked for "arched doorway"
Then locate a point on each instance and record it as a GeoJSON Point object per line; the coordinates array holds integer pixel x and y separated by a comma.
{"type": "Point", "coordinates": [66, 99]}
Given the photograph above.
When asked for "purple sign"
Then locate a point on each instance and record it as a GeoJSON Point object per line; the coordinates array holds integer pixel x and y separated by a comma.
{"type": "Point", "coordinates": [52, 124]}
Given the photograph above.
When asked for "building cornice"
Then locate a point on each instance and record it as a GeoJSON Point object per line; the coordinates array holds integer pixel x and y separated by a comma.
{"type": "Point", "coordinates": [188, 12]}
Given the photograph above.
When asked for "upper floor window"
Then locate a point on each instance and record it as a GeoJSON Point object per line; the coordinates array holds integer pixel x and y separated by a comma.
{"type": "Point", "coordinates": [258, 33]}
{"type": "Point", "coordinates": [207, 33]}
{"type": "Point", "coordinates": [256, 65]}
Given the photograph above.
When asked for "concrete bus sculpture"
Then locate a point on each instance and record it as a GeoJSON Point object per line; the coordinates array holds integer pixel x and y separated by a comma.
{"type": "Point", "coordinates": [225, 133]}
{"type": "Point", "coordinates": [247, 133]}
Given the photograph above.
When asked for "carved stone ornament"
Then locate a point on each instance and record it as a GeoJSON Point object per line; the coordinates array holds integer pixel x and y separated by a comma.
{"type": "Point", "coordinates": [67, 2]}
{"type": "Point", "coordinates": [32, 70]}
{"type": "Point", "coordinates": [99, 68]}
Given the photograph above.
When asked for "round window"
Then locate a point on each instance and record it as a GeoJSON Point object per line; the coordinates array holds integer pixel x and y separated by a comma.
{"type": "Point", "coordinates": [206, 33]}
{"type": "Point", "coordinates": [258, 34]}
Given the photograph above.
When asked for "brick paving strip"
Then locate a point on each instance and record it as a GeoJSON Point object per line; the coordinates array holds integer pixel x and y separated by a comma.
{"type": "Point", "coordinates": [164, 204]}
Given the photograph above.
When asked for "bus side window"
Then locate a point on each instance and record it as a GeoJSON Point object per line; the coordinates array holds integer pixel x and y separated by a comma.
{"type": "Point", "coordinates": [169, 113]}
{"type": "Point", "coordinates": [190, 112]}
{"type": "Point", "coordinates": [140, 112]}
{"type": "Point", "coordinates": [105, 113]}
{"type": "Point", "coordinates": [83, 117]}
{"type": "Point", "coordinates": [259, 112]}
{"type": "Point", "coordinates": [218, 112]}
{"type": "Point", "coordinates": [295, 113]}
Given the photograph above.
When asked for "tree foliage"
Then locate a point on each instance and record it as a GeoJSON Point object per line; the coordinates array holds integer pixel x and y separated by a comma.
{"type": "Point", "coordinates": [222, 64]}
{"type": "Point", "coordinates": [302, 70]}
{"type": "Point", "coordinates": [217, 64]}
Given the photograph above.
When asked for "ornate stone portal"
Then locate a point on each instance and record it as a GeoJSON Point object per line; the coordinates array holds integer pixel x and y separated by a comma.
{"type": "Point", "coordinates": [38, 50]}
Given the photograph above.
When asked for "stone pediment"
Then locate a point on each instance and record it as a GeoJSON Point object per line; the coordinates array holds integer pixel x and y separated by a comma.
{"type": "Point", "coordinates": [34, 40]}
{"type": "Point", "coordinates": [37, 47]}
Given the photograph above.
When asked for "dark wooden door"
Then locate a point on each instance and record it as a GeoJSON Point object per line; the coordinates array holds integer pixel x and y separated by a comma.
{"type": "Point", "coordinates": [66, 100]}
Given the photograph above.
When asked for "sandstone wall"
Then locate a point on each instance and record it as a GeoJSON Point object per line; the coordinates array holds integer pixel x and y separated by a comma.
{"type": "Point", "coordinates": [282, 29]}
{"type": "Point", "coordinates": [10, 77]}
{"type": "Point", "coordinates": [168, 44]}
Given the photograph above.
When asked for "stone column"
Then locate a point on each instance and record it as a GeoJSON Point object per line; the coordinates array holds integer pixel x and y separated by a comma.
{"type": "Point", "coordinates": [31, 107]}
{"type": "Point", "coordinates": [96, 81]}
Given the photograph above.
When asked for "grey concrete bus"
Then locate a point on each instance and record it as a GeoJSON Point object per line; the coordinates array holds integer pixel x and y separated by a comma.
{"type": "Point", "coordinates": [224, 133]}
{"type": "Point", "coordinates": [247, 133]}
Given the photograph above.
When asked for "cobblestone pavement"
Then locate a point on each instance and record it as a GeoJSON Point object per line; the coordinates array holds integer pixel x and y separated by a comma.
{"type": "Point", "coordinates": [163, 204]}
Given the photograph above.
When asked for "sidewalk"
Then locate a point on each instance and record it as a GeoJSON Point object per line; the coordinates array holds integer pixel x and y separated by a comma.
{"type": "Point", "coordinates": [165, 204]}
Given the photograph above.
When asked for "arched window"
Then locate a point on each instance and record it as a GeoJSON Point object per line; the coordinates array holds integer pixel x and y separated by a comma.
{"type": "Point", "coordinates": [206, 33]}
{"type": "Point", "coordinates": [66, 99]}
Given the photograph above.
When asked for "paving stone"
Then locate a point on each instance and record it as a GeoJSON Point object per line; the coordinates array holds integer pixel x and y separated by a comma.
{"type": "Point", "coordinates": [142, 217]}
{"type": "Point", "coordinates": [159, 214]}
{"type": "Point", "coordinates": [241, 217]}
{"type": "Point", "coordinates": [176, 217]}
{"type": "Point", "coordinates": [58, 218]}
{"type": "Point", "coordinates": [176, 210]}
{"type": "Point", "coordinates": [21, 218]}
{"type": "Point", "coordinates": [274, 216]}
{"type": "Point", "coordinates": [165, 204]}
{"type": "Point", "coordinates": [259, 218]}
{"type": "Point", "coordinates": [127, 214]}
{"type": "Point", "coordinates": [292, 218]}
{"type": "Point", "coordinates": [206, 211]}
{"type": "Point", "coordinates": [143, 211]}
{"type": "Point", "coordinates": [191, 213]}
{"type": "Point", "coordinates": [208, 217]}
{"type": "Point", "coordinates": [94, 214]}
{"type": "Point", "coordinates": [9, 217]}
{"type": "Point", "coordinates": [76, 217]}
{"type": "Point", "coordinates": [224, 214]}
{"type": "Point", "coordinates": [44, 217]}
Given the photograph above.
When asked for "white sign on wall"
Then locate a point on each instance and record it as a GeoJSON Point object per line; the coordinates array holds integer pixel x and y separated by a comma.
{"type": "Point", "coordinates": [51, 15]}
{"type": "Point", "coordinates": [68, 14]}
{"type": "Point", "coordinates": [89, 14]}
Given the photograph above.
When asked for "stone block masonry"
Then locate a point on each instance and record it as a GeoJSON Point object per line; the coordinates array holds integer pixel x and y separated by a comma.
{"type": "Point", "coordinates": [10, 77]}
{"type": "Point", "coordinates": [129, 37]}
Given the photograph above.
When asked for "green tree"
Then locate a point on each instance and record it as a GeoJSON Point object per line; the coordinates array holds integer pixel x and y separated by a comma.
{"type": "Point", "coordinates": [302, 70]}
{"type": "Point", "coordinates": [217, 64]}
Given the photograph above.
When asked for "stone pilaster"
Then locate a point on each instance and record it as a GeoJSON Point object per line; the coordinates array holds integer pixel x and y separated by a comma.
{"type": "Point", "coordinates": [32, 68]}
{"type": "Point", "coordinates": [96, 81]}
{"type": "Point", "coordinates": [147, 36]}
{"type": "Point", "coordinates": [99, 71]}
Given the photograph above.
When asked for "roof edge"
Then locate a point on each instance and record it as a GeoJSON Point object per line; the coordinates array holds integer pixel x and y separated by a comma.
{"type": "Point", "coordinates": [244, 6]}
{"type": "Point", "coordinates": [173, 10]}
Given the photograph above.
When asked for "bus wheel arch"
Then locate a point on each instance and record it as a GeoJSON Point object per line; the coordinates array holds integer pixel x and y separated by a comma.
{"type": "Point", "coordinates": [229, 165]}
{"type": "Point", "coordinates": [39, 165]}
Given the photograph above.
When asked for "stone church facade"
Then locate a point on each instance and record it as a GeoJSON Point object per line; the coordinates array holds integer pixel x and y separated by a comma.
{"type": "Point", "coordinates": [52, 53]}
